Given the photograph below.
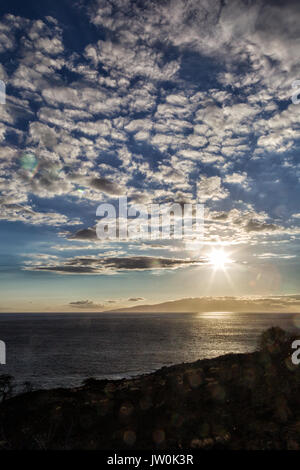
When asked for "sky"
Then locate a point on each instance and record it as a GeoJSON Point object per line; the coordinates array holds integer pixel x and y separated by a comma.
{"type": "Point", "coordinates": [162, 102]}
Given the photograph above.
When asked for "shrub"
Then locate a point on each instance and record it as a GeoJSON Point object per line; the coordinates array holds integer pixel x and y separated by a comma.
{"type": "Point", "coordinates": [27, 386]}
{"type": "Point", "coordinates": [272, 340]}
{"type": "Point", "coordinates": [6, 386]}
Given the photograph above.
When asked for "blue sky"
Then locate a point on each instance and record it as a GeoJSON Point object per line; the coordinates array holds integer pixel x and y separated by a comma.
{"type": "Point", "coordinates": [174, 101]}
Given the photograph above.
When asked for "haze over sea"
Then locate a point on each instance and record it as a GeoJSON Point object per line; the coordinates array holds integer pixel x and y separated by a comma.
{"type": "Point", "coordinates": [52, 350]}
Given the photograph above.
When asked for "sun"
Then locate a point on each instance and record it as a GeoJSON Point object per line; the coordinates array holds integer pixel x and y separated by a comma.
{"type": "Point", "coordinates": [219, 259]}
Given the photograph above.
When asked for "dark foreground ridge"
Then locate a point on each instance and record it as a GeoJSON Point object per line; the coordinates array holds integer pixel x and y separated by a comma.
{"type": "Point", "coordinates": [236, 401]}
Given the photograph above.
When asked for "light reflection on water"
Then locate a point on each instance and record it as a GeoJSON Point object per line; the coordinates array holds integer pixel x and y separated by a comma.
{"type": "Point", "coordinates": [215, 314]}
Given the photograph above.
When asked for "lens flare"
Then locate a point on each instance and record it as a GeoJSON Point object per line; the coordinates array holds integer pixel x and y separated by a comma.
{"type": "Point", "coordinates": [29, 162]}
{"type": "Point", "coordinates": [81, 191]}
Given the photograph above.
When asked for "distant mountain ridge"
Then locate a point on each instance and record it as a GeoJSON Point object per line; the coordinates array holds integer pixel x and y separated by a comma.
{"type": "Point", "coordinates": [280, 304]}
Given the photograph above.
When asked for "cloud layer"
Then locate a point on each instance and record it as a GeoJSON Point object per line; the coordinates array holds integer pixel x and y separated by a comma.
{"type": "Point", "coordinates": [174, 101]}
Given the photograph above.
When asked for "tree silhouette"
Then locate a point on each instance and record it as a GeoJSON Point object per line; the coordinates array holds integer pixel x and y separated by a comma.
{"type": "Point", "coordinates": [6, 386]}
{"type": "Point", "coordinates": [272, 340]}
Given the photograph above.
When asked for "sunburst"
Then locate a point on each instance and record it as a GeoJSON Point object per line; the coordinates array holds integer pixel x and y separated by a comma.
{"type": "Point", "coordinates": [219, 259]}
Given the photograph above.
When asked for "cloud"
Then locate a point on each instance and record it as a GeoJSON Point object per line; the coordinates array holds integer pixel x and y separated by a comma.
{"type": "Point", "coordinates": [210, 188]}
{"type": "Point", "coordinates": [86, 304]}
{"type": "Point", "coordinates": [236, 178]}
{"type": "Point", "coordinates": [111, 265]}
{"type": "Point", "coordinates": [24, 213]}
{"type": "Point", "coordinates": [102, 184]}
{"type": "Point", "coordinates": [84, 234]}
{"type": "Point", "coordinates": [255, 226]}
{"type": "Point", "coordinates": [275, 256]}
{"type": "Point", "coordinates": [136, 299]}
{"type": "Point", "coordinates": [130, 62]}
{"type": "Point", "coordinates": [178, 101]}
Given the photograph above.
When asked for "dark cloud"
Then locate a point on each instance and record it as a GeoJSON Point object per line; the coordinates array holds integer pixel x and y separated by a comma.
{"type": "Point", "coordinates": [135, 299]}
{"type": "Point", "coordinates": [103, 184]}
{"type": "Point", "coordinates": [222, 216]}
{"type": "Point", "coordinates": [85, 304]}
{"type": "Point", "coordinates": [109, 265]}
{"type": "Point", "coordinates": [84, 234]}
{"type": "Point", "coordinates": [254, 226]}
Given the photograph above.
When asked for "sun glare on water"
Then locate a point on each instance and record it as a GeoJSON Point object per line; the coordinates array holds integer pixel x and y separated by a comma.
{"type": "Point", "coordinates": [219, 259]}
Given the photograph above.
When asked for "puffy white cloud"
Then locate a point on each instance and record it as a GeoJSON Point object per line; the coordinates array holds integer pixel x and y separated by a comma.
{"type": "Point", "coordinates": [210, 188]}
{"type": "Point", "coordinates": [236, 178]}
{"type": "Point", "coordinates": [131, 62]}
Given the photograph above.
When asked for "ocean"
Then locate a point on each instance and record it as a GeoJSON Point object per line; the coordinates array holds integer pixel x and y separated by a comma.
{"type": "Point", "coordinates": [61, 350]}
